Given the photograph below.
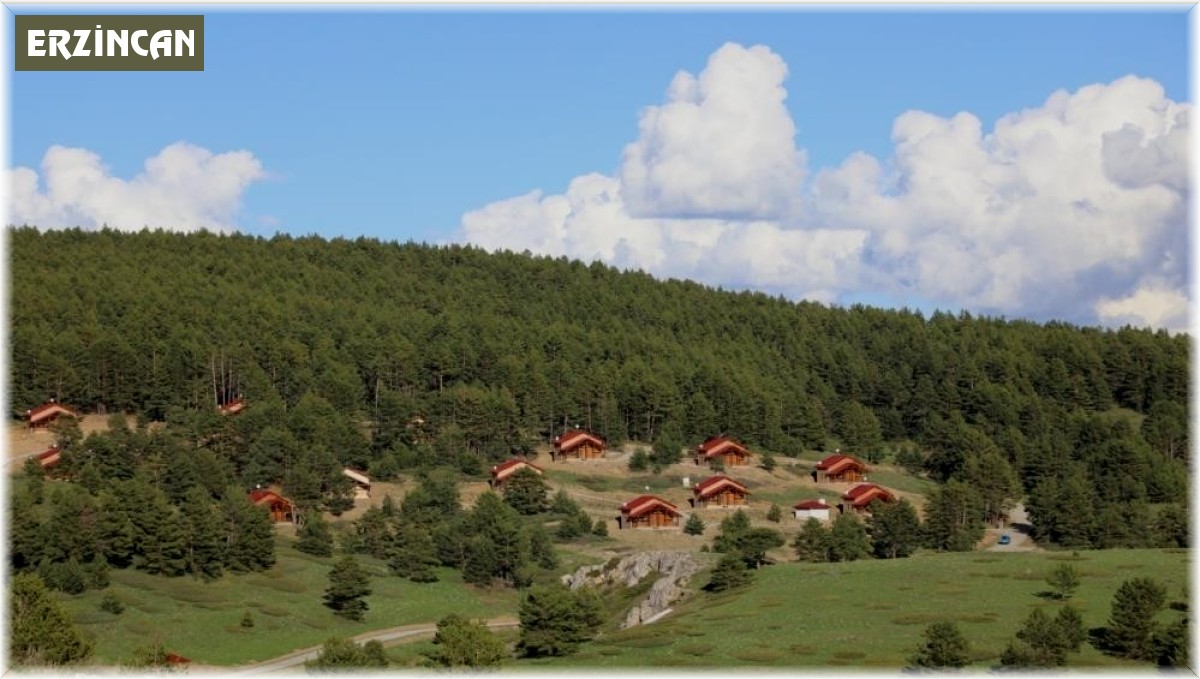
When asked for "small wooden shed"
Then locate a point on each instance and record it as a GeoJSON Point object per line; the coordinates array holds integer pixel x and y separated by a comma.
{"type": "Point", "coordinates": [649, 511]}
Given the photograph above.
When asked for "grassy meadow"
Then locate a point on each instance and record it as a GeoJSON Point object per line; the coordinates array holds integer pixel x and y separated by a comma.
{"type": "Point", "coordinates": [200, 620]}
{"type": "Point", "coordinates": [872, 613]}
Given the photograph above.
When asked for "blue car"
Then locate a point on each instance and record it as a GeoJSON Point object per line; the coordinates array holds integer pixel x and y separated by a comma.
{"type": "Point", "coordinates": [1005, 539]}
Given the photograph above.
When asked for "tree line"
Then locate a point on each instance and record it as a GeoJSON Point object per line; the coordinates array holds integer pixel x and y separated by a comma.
{"type": "Point", "coordinates": [395, 357]}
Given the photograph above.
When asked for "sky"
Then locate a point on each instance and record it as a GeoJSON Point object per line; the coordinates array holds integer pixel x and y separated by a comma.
{"type": "Point", "coordinates": [1012, 162]}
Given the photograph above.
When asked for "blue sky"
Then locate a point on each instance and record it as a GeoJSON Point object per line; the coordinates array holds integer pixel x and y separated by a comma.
{"type": "Point", "coordinates": [394, 124]}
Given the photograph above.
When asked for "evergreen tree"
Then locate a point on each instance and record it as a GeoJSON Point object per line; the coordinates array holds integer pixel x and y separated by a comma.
{"type": "Point", "coordinates": [526, 491]}
{"type": "Point", "coordinates": [462, 643]}
{"type": "Point", "coordinates": [952, 518]}
{"type": "Point", "coordinates": [730, 572]}
{"type": "Point", "coordinates": [555, 620]}
{"type": "Point", "coordinates": [848, 539]}
{"type": "Point", "coordinates": [639, 461]}
{"type": "Point", "coordinates": [813, 542]}
{"type": "Point", "coordinates": [414, 555]}
{"type": "Point", "coordinates": [348, 587]}
{"type": "Point", "coordinates": [694, 525]}
{"type": "Point", "coordinates": [541, 548]}
{"type": "Point", "coordinates": [775, 514]}
{"type": "Point", "coordinates": [1063, 581]}
{"type": "Point", "coordinates": [1131, 626]}
{"type": "Point", "coordinates": [35, 479]}
{"type": "Point", "coordinates": [41, 632]}
{"type": "Point", "coordinates": [314, 536]}
{"type": "Point", "coordinates": [944, 646]}
{"type": "Point", "coordinates": [894, 528]}
{"type": "Point", "coordinates": [205, 535]}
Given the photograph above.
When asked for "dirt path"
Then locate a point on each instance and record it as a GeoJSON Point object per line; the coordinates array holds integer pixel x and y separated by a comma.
{"type": "Point", "coordinates": [390, 636]}
{"type": "Point", "coordinates": [1018, 532]}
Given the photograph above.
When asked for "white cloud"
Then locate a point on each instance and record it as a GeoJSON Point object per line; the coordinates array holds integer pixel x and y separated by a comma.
{"type": "Point", "coordinates": [184, 187]}
{"type": "Point", "coordinates": [1153, 304]}
{"type": "Point", "coordinates": [1074, 209]}
{"type": "Point", "coordinates": [722, 145]}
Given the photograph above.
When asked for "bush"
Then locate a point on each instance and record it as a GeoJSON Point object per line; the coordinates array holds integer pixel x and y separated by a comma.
{"type": "Point", "coordinates": [944, 646]}
{"type": "Point", "coordinates": [109, 603]}
{"type": "Point", "coordinates": [639, 461]}
{"type": "Point", "coordinates": [247, 621]}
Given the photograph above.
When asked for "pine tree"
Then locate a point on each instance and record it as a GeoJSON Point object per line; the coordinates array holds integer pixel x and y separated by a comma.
{"type": "Point", "coordinates": [414, 555]}
{"type": "Point", "coordinates": [774, 514]}
{"type": "Point", "coordinates": [205, 535]}
{"type": "Point", "coordinates": [944, 646]}
{"type": "Point", "coordinates": [348, 587]}
{"type": "Point", "coordinates": [1131, 626]}
{"type": "Point", "coordinates": [41, 632]}
{"type": "Point", "coordinates": [555, 620]}
{"type": "Point", "coordinates": [462, 643]}
{"type": "Point", "coordinates": [314, 536]}
{"type": "Point", "coordinates": [1063, 581]}
{"type": "Point", "coordinates": [813, 542]}
{"type": "Point", "coordinates": [730, 572]}
{"type": "Point", "coordinates": [694, 525]}
{"type": "Point", "coordinates": [35, 479]}
{"type": "Point", "coordinates": [526, 491]}
{"type": "Point", "coordinates": [541, 548]}
{"type": "Point", "coordinates": [894, 528]}
{"type": "Point", "coordinates": [847, 539]}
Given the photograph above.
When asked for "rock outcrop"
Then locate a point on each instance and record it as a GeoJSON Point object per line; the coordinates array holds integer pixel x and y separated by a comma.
{"type": "Point", "coordinates": [676, 569]}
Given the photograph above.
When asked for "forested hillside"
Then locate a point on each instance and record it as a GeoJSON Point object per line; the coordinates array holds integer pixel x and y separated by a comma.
{"type": "Point", "coordinates": [453, 356]}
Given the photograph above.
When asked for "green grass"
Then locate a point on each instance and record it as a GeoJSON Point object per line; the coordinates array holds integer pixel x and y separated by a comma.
{"type": "Point", "coordinates": [200, 620]}
{"type": "Point", "coordinates": [855, 615]}
{"type": "Point", "coordinates": [609, 484]}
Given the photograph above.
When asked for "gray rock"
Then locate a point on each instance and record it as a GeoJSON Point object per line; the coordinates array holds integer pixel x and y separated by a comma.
{"type": "Point", "coordinates": [676, 569]}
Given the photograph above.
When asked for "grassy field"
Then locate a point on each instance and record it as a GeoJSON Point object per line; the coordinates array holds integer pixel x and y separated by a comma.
{"type": "Point", "coordinates": [871, 614]}
{"type": "Point", "coordinates": [200, 620]}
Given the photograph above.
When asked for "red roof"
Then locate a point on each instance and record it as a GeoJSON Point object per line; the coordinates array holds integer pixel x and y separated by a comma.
{"type": "Point", "coordinates": [644, 503]}
{"type": "Point", "coordinates": [714, 484]}
{"type": "Point", "coordinates": [262, 496]}
{"type": "Point", "coordinates": [49, 457]}
{"type": "Point", "coordinates": [233, 407]}
{"type": "Point", "coordinates": [512, 467]}
{"type": "Point", "coordinates": [176, 659]}
{"type": "Point", "coordinates": [719, 444]}
{"type": "Point", "coordinates": [812, 504]}
{"type": "Point", "coordinates": [862, 494]}
{"type": "Point", "coordinates": [48, 410]}
{"type": "Point", "coordinates": [573, 438]}
{"type": "Point", "coordinates": [836, 463]}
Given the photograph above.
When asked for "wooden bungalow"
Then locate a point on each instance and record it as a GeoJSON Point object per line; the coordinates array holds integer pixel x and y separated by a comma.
{"type": "Point", "coordinates": [840, 468]}
{"type": "Point", "coordinates": [280, 507]}
{"type": "Point", "coordinates": [362, 483]}
{"type": "Point", "coordinates": [503, 471]}
{"type": "Point", "coordinates": [719, 491]}
{"type": "Point", "coordinates": [578, 444]}
{"type": "Point", "coordinates": [725, 449]}
{"type": "Point", "coordinates": [648, 511]}
{"type": "Point", "coordinates": [46, 413]}
{"type": "Point", "coordinates": [859, 498]}
{"type": "Point", "coordinates": [233, 407]}
{"type": "Point", "coordinates": [812, 509]}
{"type": "Point", "coordinates": [49, 458]}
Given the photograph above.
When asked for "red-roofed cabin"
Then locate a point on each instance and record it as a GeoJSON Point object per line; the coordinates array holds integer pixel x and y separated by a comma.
{"type": "Point", "coordinates": [234, 407]}
{"type": "Point", "coordinates": [503, 471]}
{"type": "Point", "coordinates": [176, 659]}
{"type": "Point", "coordinates": [723, 448]}
{"type": "Point", "coordinates": [46, 413]}
{"type": "Point", "coordinates": [859, 498]}
{"type": "Point", "coordinates": [579, 444]}
{"type": "Point", "coordinates": [719, 491]}
{"type": "Point", "coordinates": [280, 507]}
{"type": "Point", "coordinates": [648, 511]}
{"type": "Point", "coordinates": [49, 458]}
{"type": "Point", "coordinates": [812, 509]}
{"type": "Point", "coordinates": [844, 468]}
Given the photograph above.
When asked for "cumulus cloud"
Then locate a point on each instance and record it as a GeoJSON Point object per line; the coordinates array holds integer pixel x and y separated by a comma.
{"type": "Point", "coordinates": [723, 144]}
{"type": "Point", "coordinates": [1073, 209]}
{"type": "Point", "coordinates": [184, 187]}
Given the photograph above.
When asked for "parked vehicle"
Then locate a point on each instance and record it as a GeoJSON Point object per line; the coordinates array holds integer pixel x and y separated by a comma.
{"type": "Point", "coordinates": [1005, 539]}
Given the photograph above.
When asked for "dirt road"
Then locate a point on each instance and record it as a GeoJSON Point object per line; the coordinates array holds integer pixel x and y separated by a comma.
{"type": "Point", "coordinates": [1018, 532]}
{"type": "Point", "coordinates": [405, 634]}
